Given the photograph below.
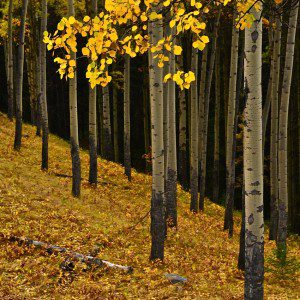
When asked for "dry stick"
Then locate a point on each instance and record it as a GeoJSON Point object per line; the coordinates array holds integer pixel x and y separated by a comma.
{"type": "Point", "coordinates": [89, 260]}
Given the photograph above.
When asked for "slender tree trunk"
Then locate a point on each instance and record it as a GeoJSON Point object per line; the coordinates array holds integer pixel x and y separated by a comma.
{"type": "Point", "coordinates": [158, 178]}
{"type": "Point", "coordinates": [266, 107]}
{"type": "Point", "coordinates": [241, 259]}
{"type": "Point", "coordinates": [171, 180]}
{"type": "Point", "coordinates": [44, 89]}
{"type": "Point", "coordinates": [107, 141]}
{"type": "Point", "coordinates": [115, 120]}
{"type": "Point", "coordinates": [216, 167]}
{"type": "Point", "coordinates": [203, 153]}
{"type": "Point", "coordinates": [76, 165]}
{"type": "Point", "coordinates": [274, 132]}
{"type": "Point", "coordinates": [93, 171]}
{"type": "Point", "coordinates": [194, 145]}
{"type": "Point", "coordinates": [230, 129]}
{"type": "Point", "coordinates": [127, 151]}
{"type": "Point", "coordinates": [253, 160]}
{"type": "Point", "coordinates": [182, 153]}
{"type": "Point", "coordinates": [38, 85]}
{"type": "Point", "coordinates": [146, 119]}
{"type": "Point", "coordinates": [100, 123]}
{"type": "Point", "coordinates": [283, 130]}
{"type": "Point", "coordinates": [19, 86]}
{"type": "Point", "coordinates": [201, 108]}
{"type": "Point", "coordinates": [32, 42]}
{"type": "Point", "coordinates": [10, 65]}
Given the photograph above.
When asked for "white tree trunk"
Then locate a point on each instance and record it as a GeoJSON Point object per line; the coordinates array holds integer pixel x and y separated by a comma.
{"type": "Point", "coordinates": [10, 64]}
{"type": "Point", "coordinates": [158, 226]}
{"type": "Point", "coordinates": [274, 131]}
{"type": "Point", "coordinates": [76, 166]}
{"type": "Point", "coordinates": [230, 129]}
{"type": "Point", "coordinates": [19, 85]}
{"type": "Point", "coordinates": [253, 160]}
{"type": "Point", "coordinates": [127, 151]}
{"type": "Point", "coordinates": [43, 98]}
{"type": "Point", "coordinates": [171, 179]}
{"type": "Point", "coordinates": [93, 171]}
{"type": "Point", "coordinates": [107, 139]}
{"type": "Point", "coordinates": [283, 131]}
{"type": "Point", "coordinates": [194, 144]}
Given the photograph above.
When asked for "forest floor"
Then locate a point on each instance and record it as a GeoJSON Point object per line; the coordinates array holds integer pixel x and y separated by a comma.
{"type": "Point", "coordinates": [39, 205]}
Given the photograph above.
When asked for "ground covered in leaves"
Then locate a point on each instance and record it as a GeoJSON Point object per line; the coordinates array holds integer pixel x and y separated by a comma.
{"type": "Point", "coordinates": [108, 221]}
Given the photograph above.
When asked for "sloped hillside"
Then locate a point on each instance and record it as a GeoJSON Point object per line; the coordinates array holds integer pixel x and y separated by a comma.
{"type": "Point", "coordinates": [109, 221]}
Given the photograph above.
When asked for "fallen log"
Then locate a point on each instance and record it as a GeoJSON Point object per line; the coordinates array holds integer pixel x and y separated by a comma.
{"type": "Point", "coordinates": [89, 260]}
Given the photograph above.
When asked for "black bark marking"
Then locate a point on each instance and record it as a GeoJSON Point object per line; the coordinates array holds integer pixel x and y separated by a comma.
{"type": "Point", "coordinates": [253, 48]}
{"type": "Point", "coordinates": [260, 208]}
{"type": "Point", "coordinates": [256, 183]}
{"type": "Point", "coordinates": [255, 192]}
{"type": "Point", "coordinates": [254, 36]}
{"type": "Point", "coordinates": [250, 219]}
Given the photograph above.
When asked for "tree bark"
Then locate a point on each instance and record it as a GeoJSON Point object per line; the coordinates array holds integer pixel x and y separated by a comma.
{"type": "Point", "coordinates": [171, 180]}
{"type": "Point", "coordinates": [194, 144]}
{"type": "Point", "coordinates": [10, 65]}
{"type": "Point", "coordinates": [267, 104]}
{"type": "Point", "coordinates": [127, 135]}
{"type": "Point", "coordinates": [274, 131]}
{"type": "Point", "coordinates": [253, 160]}
{"type": "Point", "coordinates": [76, 165]}
{"type": "Point", "coordinates": [45, 128]}
{"type": "Point", "coordinates": [157, 111]}
{"type": "Point", "coordinates": [204, 124]}
{"type": "Point", "coordinates": [107, 140]}
{"type": "Point", "coordinates": [93, 170]}
{"type": "Point", "coordinates": [115, 120]}
{"type": "Point", "coordinates": [283, 131]}
{"type": "Point", "coordinates": [230, 129]}
{"type": "Point", "coordinates": [216, 167]}
{"type": "Point", "coordinates": [19, 85]}
{"type": "Point", "coordinates": [182, 149]}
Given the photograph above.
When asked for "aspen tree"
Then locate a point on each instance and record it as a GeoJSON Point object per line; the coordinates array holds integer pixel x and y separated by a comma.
{"type": "Point", "coordinates": [107, 138]}
{"type": "Point", "coordinates": [93, 171]}
{"type": "Point", "coordinates": [10, 64]}
{"type": "Point", "coordinates": [19, 79]}
{"type": "Point", "coordinates": [158, 227]}
{"type": "Point", "coordinates": [204, 123]}
{"type": "Point", "coordinates": [274, 131]}
{"type": "Point", "coordinates": [115, 123]}
{"type": "Point", "coordinates": [182, 148]}
{"type": "Point", "coordinates": [267, 104]}
{"type": "Point", "coordinates": [230, 128]}
{"type": "Point", "coordinates": [283, 131]}
{"type": "Point", "coordinates": [43, 99]}
{"type": "Point", "coordinates": [253, 159]}
{"type": "Point", "coordinates": [76, 165]}
{"type": "Point", "coordinates": [171, 180]}
{"type": "Point", "coordinates": [127, 151]}
{"type": "Point", "coordinates": [194, 145]}
{"type": "Point", "coordinates": [216, 166]}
